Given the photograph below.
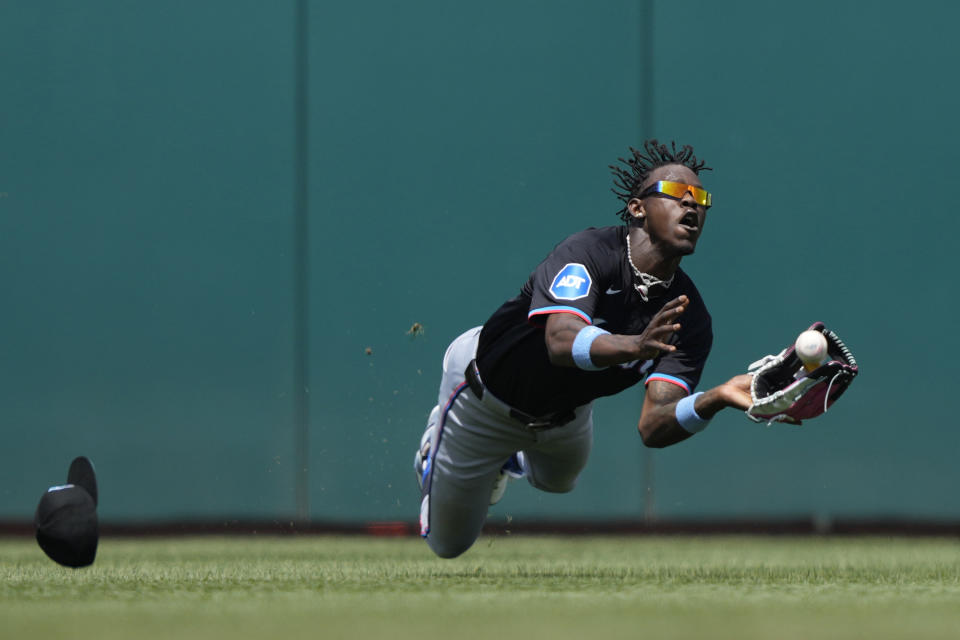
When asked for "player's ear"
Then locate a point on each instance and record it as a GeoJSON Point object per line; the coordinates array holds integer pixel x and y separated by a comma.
{"type": "Point", "coordinates": [635, 207]}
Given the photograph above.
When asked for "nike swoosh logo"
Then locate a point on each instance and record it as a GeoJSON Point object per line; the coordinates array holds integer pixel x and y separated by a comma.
{"type": "Point", "coordinates": [611, 291]}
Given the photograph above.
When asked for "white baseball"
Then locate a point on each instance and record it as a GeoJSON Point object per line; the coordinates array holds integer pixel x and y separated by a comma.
{"type": "Point", "coordinates": [811, 347]}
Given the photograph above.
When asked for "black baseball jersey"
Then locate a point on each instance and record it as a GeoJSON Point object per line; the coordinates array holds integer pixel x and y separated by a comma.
{"type": "Point", "coordinates": [588, 275]}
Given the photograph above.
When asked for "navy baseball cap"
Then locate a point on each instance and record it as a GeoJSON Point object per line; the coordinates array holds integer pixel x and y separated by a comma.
{"type": "Point", "coordinates": [66, 519]}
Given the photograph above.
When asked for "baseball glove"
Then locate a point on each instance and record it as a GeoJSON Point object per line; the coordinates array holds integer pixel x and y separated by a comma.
{"type": "Point", "coordinates": [783, 391]}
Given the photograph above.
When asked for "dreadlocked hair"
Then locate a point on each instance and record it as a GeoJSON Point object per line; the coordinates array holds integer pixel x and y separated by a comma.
{"type": "Point", "coordinates": [628, 180]}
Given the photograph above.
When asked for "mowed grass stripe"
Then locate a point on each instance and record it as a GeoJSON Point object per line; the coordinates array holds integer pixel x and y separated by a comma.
{"type": "Point", "coordinates": [743, 587]}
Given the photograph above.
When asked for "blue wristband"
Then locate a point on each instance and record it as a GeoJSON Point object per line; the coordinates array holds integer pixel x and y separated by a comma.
{"type": "Point", "coordinates": [687, 415]}
{"type": "Point", "coordinates": [581, 347]}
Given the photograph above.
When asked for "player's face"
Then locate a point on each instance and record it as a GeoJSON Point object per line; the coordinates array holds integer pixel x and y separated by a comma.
{"type": "Point", "coordinates": [673, 223]}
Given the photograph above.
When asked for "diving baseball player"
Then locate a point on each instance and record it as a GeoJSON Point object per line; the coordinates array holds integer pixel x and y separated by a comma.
{"type": "Point", "coordinates": [607, 309]}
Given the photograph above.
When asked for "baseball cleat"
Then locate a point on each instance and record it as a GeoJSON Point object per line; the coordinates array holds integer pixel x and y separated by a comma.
{"type": "Point", "coordinates": [421, 459]}
{"type": "Point", "coordinates": [512, 469]}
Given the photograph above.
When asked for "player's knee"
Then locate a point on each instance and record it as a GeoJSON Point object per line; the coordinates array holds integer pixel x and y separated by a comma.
{"type": "Point", "coordinates": [555, 486]}
{"type": "Point", "coordinates": [448, 549]}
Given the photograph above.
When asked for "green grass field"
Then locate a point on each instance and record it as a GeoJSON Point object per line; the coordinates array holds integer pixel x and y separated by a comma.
{"type": "Point", "coordinates": [505, 587]}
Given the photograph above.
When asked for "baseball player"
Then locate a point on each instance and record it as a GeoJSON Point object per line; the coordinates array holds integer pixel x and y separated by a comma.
{"type": "Point", "coordinates": [608, 308]}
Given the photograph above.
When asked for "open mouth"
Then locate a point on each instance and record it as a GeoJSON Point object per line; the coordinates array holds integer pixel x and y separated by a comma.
{"type": "Point", "coordinates": [690, 221]}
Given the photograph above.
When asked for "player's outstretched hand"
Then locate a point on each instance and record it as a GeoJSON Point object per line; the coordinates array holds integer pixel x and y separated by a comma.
{"type": "Point", "coordinates": [655, 337]}
{"type": "Point", "coordinates": [736, 391]}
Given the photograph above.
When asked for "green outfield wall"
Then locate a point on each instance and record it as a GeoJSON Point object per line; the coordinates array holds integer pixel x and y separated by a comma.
{"type": "Point", "coordinates": [219, 222]}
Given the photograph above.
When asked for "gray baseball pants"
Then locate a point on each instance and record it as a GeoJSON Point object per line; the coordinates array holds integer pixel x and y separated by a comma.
{"type": "Point", "coordinates": [471, 439]}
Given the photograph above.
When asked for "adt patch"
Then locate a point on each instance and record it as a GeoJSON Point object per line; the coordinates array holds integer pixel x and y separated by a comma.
{"type": "Point", "coordinates": [572, 283]}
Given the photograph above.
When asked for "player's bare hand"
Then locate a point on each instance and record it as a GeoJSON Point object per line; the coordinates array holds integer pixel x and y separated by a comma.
{"type": "Point", "coordinates": [735, 392]}
{"type": "Point", "coordinates": [655, 338]}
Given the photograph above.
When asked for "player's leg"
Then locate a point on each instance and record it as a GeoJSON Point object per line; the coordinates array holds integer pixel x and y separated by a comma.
{"type": "Point", "coordinates": [463, 346]}
{"type": "Point", "coordinates": [555, 461]}
{"type": "Point", "coordinates": [468, 446]}
{"type": "Point", "coordinates": [472, 448]}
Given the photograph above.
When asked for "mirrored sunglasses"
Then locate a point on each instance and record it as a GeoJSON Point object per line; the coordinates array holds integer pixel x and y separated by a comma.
{"type": "Point", "coordinates": [677, 190]}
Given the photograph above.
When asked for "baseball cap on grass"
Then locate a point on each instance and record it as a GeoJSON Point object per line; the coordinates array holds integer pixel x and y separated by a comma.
{"type": "Point", "coordinates": [66, 518]}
